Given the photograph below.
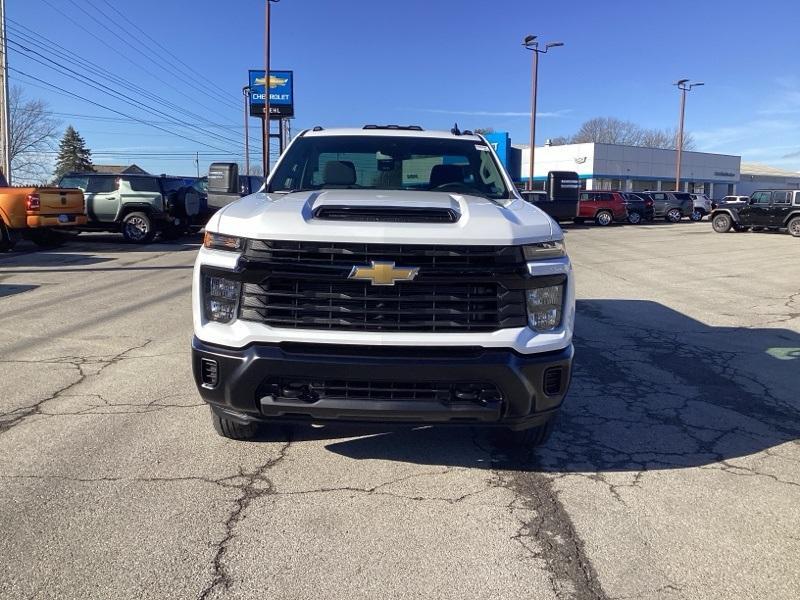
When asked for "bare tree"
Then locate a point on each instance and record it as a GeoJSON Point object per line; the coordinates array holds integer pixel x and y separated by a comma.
{"type": "Point", "coordinates": [34, 133]}
{"type": "Point", "coordinates": [609, 130]}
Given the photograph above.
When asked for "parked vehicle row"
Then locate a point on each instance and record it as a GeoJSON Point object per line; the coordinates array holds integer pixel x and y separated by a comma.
{"type": "Point", "coordinates": [764, 209]}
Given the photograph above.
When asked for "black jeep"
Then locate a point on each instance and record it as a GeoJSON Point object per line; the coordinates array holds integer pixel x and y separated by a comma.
{"type": "Point", "coordinates": [766, 209]}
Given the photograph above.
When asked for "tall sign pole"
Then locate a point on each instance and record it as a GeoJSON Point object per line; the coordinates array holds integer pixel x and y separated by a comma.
{"type": "Point", "coordinates": [246, 94]}
{"type": "Point", "coordinates": [266, 128]}
{"type": "Point", "coordinates": [5, 120]}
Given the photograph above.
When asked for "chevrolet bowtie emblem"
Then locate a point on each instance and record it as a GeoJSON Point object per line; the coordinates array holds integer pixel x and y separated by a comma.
{"type": "Point", "coordinates": [384, 273]}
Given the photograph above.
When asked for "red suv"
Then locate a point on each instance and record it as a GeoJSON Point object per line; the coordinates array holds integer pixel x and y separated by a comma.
{"type": "Point", "coordinates": [604, 207]}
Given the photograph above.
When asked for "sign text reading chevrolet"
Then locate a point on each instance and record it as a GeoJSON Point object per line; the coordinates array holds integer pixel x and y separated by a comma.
{"type": "Point", "coordinates": [281, 94]}
{"type": "Point", "coordinates": [349, 290]}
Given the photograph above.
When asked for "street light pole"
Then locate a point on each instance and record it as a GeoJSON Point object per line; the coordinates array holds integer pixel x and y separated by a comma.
{"type": "Point", "coordinates": [684, 85]}
{"type": "Point", "coordinates": [530, 42]}
{"type": "Point", "coordinates": [246, 94]}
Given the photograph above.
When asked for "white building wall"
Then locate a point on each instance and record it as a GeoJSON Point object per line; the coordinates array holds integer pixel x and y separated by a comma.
{"type": "Point", "coordinates": [629, 165]}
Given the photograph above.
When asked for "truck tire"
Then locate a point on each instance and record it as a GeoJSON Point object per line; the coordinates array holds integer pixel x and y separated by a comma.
{"type": "Point", "coordinates": [794, 226]}
{"type": "Point", "coordinates": [137, 228]}
{"type": "Point", "coordinates": [674, 215]}
{"type": "Point", "coordinates": [722, 223]}
{"type": "Point", "coordinates": [604, 218]}
{"type": "Point", "coordinates": [233, 430]}
{"type": "Point", "coordinates": [527, 438]}
{"type": "Point", "coordinates": [7, 239]}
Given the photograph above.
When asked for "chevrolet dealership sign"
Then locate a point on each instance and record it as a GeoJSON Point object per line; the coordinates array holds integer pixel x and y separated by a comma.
{"type": "Point", "coordinates": [281, 94]}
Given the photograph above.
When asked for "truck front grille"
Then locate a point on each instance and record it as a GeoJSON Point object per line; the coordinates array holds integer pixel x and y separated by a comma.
{"type": "Point", "coordinates": [305, 285]}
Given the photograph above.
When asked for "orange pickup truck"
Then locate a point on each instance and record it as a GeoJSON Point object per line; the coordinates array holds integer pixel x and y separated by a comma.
{"type": "Point", "coordinates": [38, 214]}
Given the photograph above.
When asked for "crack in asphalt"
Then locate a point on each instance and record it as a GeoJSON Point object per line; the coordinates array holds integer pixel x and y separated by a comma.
{"type": "Point", "coordinates": [248, 493]}
{"type": "Point", "coordinates": [10, 420]}
{"type": "Point", "coordinates": [550, 528]}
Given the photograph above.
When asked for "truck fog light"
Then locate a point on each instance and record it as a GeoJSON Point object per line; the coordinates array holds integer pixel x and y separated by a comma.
{"type": "Point", "coordinates": [219, 287]}
{"type": "Point", "coordinates": [221, 299]}
{"type": "Point", "coordinates": [545, 307]}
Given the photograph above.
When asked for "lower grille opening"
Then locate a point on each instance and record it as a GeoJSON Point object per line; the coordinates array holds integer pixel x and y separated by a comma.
{"type": "Point", "coordinates": [303, 391]}
{"type": "Point", "coordinates": [552, 381]}
{"type": "Point", "coordinates": [209, 372]}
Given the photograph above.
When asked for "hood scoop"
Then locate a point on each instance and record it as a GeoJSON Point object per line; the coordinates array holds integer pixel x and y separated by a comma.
{"type": "Point", "coordinates": [386, 214]}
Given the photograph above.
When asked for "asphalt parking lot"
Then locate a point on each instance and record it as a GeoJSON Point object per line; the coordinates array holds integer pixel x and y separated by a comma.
{"type": "Point", "coordinates": [674, 472]}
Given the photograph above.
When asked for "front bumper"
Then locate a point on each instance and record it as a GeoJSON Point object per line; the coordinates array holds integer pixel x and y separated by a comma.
{"type": "Point", "coordinates": [530, 388]}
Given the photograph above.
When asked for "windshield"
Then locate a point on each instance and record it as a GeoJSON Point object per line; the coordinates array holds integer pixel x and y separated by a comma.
{"type": "Point", "coordinates": [390, 163]}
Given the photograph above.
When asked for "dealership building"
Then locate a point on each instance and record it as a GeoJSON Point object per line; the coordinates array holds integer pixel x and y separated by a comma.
{"type": "Point", "coordinates": [632, 168]}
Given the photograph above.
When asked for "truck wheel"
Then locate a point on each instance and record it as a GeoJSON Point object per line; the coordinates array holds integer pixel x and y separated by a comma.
{"type": "Point", "coordinates": [7, 239]}
{"type": "Point", "coordinates": [604, 218]}
{"type": "Point", "coordinates": [674, 215]}
{"type": "Point", "coordinates": [794, 226]}
{"type": "Point", "coordinates": [137, 228]}
{"type": "Point", "coordinates": [696, 216]}
{"type": "Point", "coordinates": [634, 218]}
{"type": "Point", "coordinates": [722, 223]}
{"type": "Point", "coordinates": [233, 430]}
{"type": "Point", "coordinates": [528, 438]}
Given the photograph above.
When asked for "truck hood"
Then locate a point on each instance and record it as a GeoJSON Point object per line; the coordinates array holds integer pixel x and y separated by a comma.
{"type": "Point", "coordinates": [291, 217]}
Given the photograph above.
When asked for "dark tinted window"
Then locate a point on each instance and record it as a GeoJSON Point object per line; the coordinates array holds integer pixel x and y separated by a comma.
{"type": "Point", "coordinates": [682, 196]}
{"type": "Point", "coordinates": [760, 198]}
{"type": "Point", "coordinates": [780, 197]}
{"type": "Point", "coordinates": [143, 184]}
{"type": "Point", "coordinates": [101, 184]}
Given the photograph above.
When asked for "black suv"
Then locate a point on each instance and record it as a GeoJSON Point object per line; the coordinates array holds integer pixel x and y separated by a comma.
{"type": "Point", "coordinates": [767, 209]}
{"type": "Point", "coordinates": [138, 206]}
{"type": "Point", "coordinates": [640, 207]}
{"type": "Point", "coordinates": [672, 206]}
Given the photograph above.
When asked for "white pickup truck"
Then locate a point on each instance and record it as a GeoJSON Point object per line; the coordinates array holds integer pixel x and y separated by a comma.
{"type": "Point", "coordinates": [385, 274]}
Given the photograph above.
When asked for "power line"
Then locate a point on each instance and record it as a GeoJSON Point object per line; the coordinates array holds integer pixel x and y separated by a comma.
{"type": "Point", "coordinates": [83, 63]}
{"type": "Point", "coordinates": [93, 83]}
{"type": "Point", "coordinates": [79, 97]}
{"type": "Point", "coordinates": [156, 42]}
{"type": "Point", "coordinates": [115, 50]}
{"type": "Point", "coordinates": [158, 61]}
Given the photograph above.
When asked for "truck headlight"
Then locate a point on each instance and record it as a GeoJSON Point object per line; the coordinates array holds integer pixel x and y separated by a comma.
{"type": "Point", "coordinates": [221, 299]}
{"type": "Point", "coordinates": [545, 307]}
{"type": "Point", "coordinates": [217, 241]}
{"type": "Point", "coordinates": [545, 250]}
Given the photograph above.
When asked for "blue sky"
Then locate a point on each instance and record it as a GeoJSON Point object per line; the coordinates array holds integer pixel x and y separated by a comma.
{"type": "Point", "coordinates": [424, 62]}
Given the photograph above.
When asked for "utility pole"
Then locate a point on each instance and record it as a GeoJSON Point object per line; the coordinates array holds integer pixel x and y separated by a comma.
{"type": "Point", "coordinates": [684, 86]}
{"type": "Point", "coordinates": [530, 42]}
{"type": "Point", "coordinates": [246, 94]}
{"type": "Point", "coordinates": [5, 120]}
{"type": "Point", "coordinates": [197, 163]}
